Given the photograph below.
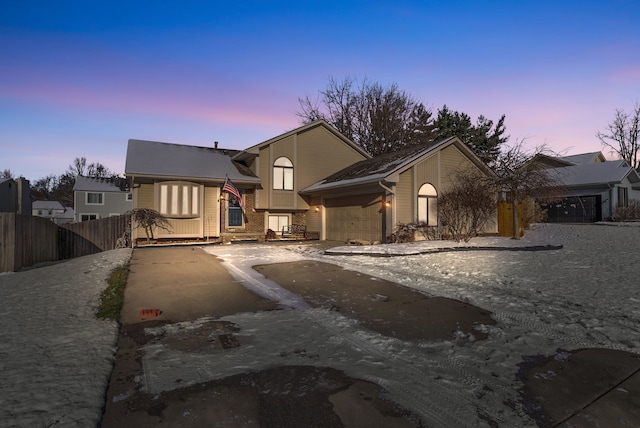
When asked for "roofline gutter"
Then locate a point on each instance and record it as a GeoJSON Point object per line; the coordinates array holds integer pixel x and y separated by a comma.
{"type": "Point", "coordinates": [236, 181]}
{"type": "Point", "coordinates": [386, 188]}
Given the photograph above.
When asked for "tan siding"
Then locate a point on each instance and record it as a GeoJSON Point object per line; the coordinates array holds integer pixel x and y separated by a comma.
{"type": "Point", "coordinates": [284, 147]}
{"type": "Point", "coordinates": [451, 161]}
{"type": "Point", "coordinates": [283, 199]}
{"type": "Point", "coordinates": [262, 196]}
{"type": "Point", "coordinates": [428, 172]}
{"type": "Point", "coordinates": [146, 197]}
{"type": "Point", "coordinates": [404, 198]}
{"type": "Point", "coordinates": [314, 221]}
{"type": "Point", "coordinates": [181, 228]}
{"type": "Point", "coordinates": [211, 211]}
{"type": "Point", "coordinates": [321, 153]}
{"type": "Point", "coordinates": [314, 218]}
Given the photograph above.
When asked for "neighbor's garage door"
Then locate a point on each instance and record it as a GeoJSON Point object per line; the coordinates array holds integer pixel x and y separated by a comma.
{"type": "Point", "coordinates": [355, 217]}
{"type": "Point", "coordinates": [577, 209]}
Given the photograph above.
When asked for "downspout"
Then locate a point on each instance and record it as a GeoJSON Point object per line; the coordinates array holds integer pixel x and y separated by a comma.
{"type": "Point", "coordinates": [611, 187]}
{"type": "Point", "coordinates": [393, 210]}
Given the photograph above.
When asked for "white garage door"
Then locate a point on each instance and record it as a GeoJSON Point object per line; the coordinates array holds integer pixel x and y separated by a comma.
{"type": "Point", "coordinates": [359, 217]}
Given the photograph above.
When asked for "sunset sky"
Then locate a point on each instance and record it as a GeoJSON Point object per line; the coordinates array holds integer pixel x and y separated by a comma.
{"type": "Point", "coordinates": [80, 78]}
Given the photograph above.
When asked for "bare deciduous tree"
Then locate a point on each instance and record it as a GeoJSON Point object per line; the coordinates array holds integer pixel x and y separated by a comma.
{"type": "Point", "coordinates": [149, 219]}
{"type": "Point", "coordinates": [379, 119]}
{"type": "Point", "coordinates": [468, 204]}
{"type": "Point", "coordinates": [621, 135]}
{"type": "Point", "coordinates": [520, 177]}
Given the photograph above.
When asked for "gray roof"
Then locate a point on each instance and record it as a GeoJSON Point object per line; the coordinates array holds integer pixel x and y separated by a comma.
{"type": "Point", "coordinates": [584, 158]}
{"type": "Point", "coordinates": [89, 184]}
{"type": "Point", "coordinates": [176, 161]}
{"type": "Point", "coordinates": [593, 174]}
{"type": "Point", "coordinates": [47, 205]}
{"type": "Point", "coordinates": [383, 167]}
{"type": "Point", "coordinates": [2, 180]}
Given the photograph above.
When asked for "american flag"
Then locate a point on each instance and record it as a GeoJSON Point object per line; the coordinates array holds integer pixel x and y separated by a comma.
{"type": "Point", "coordinates": [230, 188]}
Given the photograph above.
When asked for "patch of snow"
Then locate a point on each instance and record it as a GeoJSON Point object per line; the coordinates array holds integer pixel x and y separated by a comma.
{"type": "Point", "coordinates": [581, 295]}
{"type": "Point", "coordinates": [55, 356]}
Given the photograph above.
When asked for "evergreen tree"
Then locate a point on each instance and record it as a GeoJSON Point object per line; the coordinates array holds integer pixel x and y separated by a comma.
{"type": "Point", "coordinates": [483, 137]}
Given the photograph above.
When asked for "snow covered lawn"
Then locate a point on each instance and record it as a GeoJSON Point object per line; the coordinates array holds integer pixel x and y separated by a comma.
{"type": "Point", "coordinates": [584, 295]}
{"type": "Point", "coordinates": [55, 356]}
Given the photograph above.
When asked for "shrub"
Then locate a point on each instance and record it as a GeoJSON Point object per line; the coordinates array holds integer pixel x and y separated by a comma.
{"type": "Point", "coordinates": [407, 232]}
{"type": "Point", "coordinates": [630, 212]}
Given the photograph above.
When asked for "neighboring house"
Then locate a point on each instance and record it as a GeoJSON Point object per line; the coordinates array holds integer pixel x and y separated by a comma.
{"type": "Point", "coordinates": [15, 196]}
{"type": "Point", "coordinates": [368, 199]}
{"type": "Point", "coordinates": [95, 198]}
{"type": "Point", "coordinates": [592, 187]}
{"type": "Point", "coordinates": [53, 210]}
{"type": "Point", "coordinates": [184, 183]}
{"type": "Point", "coordinates": [311, 176]}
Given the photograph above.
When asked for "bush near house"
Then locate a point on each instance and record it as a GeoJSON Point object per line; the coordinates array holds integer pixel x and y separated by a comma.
{"type": "Point", "coordinates": [628, 213]}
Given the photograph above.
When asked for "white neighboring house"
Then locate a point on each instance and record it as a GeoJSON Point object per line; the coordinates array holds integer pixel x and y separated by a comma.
{"type": "Point", "coordinates": [53, 210]}
{"type": "Point", "coordinates": [593, 187]}
{"type": "Point", "coordinates": [95, 198]}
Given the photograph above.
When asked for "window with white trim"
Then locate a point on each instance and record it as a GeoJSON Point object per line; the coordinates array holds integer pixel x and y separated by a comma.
{"type": "Point", "coordinates": [86, 217]}
{"type": "Point", "coordinates": [129, 196]}
{"type": "Point", "coordinates": [428, 205]}
{"type": "Point", "coordinates": [179, 199]}
{"type": "Point", "coordinates": [278, 222]}
{"type": "Point", "coordinates": [95, 198]}
{"type": "Point", "coordinates": [283, 174]}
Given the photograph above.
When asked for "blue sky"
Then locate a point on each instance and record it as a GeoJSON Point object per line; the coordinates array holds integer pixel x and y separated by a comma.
{"type": "Point", "coordinates": [79, 78]}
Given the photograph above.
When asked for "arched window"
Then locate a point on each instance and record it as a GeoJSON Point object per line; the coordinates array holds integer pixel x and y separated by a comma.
{"type": "Point", "coordinates": [283, 174]}
{"type": "Point", "coordinates": [428, 205]}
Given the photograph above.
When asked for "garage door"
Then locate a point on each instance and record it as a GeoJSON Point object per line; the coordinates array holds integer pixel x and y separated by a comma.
{"type": "Point", "coordinates": [577, 209]}
{"type": "Point", "coordinates": [358, 217]}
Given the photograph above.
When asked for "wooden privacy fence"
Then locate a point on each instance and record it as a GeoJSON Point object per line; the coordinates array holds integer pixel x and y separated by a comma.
{"type": "Point", "coordinates": [93, 236]}
{"type": "Point", "coordinates": [27, 240]}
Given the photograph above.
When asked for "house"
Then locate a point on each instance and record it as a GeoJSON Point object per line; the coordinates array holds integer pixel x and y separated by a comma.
{"type": "Point", "coordinates": [184, 183]}
{"type": "Point", "coordinates": [15, 196]}
{"type": "Point", "coordinates": [53, 210]}
{"type": "Point", "coordinates": [291, 162]}
{"type": "Point", "coordinates": [95, 198]}
{"type": "Point", "coordinates": [311, 176]}
{"type": "Point", "coordinates": [592, 187]}
{"type": "Point", "coordinates": [366, 200]}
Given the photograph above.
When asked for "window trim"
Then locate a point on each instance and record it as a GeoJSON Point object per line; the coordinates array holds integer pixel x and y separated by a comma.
{"type": "Point", "coordinates": [279, 231]}
{"type": "Point", "coordinates": [86, 198]}
{"type": "Point", "coordinates": [235, 207]}
{"type": "Point", "coordinates": [179, 199]}
{"type": "Point", "coordinates": [283, 171]}
{"type": "Point", "coordinates": [429, 196]}
{"type": "Point", "coordinates": [96, 215]}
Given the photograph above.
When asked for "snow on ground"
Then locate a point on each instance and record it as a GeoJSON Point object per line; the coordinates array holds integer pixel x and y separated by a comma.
{"type": "Point", "coordinates": [583, 295]}
{"type": "Point", "coordinates": [55, 356]}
